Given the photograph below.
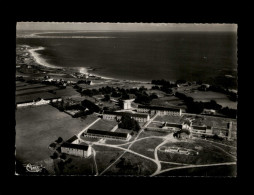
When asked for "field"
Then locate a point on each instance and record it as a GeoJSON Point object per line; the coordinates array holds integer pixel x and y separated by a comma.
{"type": "Point", "coordinates": [206, 96]}
{"type": "Point", "coordinates": [23, 86]}
{"type": "Point", "coordinates": [147, 133]}
{"type": "Point", "coordinates": [169, 101]}
{"type": "Point", "coordinates": [208, 120]}
{"type": "Point", "coordinates": [34, 96]}
{"type": "Point", "coordinates": [104, 125]}
{"type": "Point", "coordinates": [37, 127]}
{"type": "Point", "coordinates": [208, 153]}
{"type": "Point", "coordinates": [130, 165]}
{"type": "Point", "coordinates": [68, 91]}
{"type": "Point", "coordinates": [150, 144]}
{"type": "Point", "coordinates": [35, 90]}
{"type": "Point", "coordinates": [77, 166]}
{"type": "Point", "coordinates": [105, 156]}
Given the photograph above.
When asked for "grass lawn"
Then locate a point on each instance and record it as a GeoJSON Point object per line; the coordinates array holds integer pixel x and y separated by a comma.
{"type": "Point", "coordinates": [37, 127]}
{"type": "Point", "coordinates": [168, 166]}
{"type": "Point", "coordinates": [206, 96]}
{"type": "Point", "coordinates": [77, 166]}
{"type": "Point", "coordinates": [29, 86]}
{"type": "Point", "coordinates": [104, 125]}
{"type": "Point", "coordinates": [208, 153]}
{"type": "Point", "coordinates": [147, 133]}
{"type": "Point", "coordinates": [67, 92]}
{"type": "Point", "coordinates": [115, 142]}
{"type": "Point", "coordinates": [35, 90]}
{"type": "Point", "coordinates": [209, 120]}
{"type": "Point", "coordinates": [105, 156]}
{"type": "Point", "coordinates": [146, 146]}
{"type": "Point", "coordinates": [132, 165]}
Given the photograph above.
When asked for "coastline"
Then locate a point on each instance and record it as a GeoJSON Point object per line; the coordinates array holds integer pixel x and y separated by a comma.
{"type": "Point", "coordinates": [36, 56]}
{"type": "Point", "coordinates": [83, 70]}
{"type": "Point", "coordinates": [39, 60]}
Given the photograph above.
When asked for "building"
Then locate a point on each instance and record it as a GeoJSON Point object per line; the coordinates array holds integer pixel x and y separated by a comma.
{"type": "Point", "coordinates": [209, 111]}
{"type": "Point", "coordinates": [76, 149]}
{"type": "Point", "coordinates": [38, 102]}
{"type": "Point", "coordinates": [73, 140]}
{"type": "Point", "coordinates": [107, 115]}
{"type": "Point", "coordinates": [198, 129]}
{"type": "Point", "coordinates": [72, 147]}
{"type": "Point", "coordinates": [127, 103]}
{"type": "Point", "coordinates": [172, 126]}
{"type": "Point", "coordinates": [202, 130]}
{"type": "Point", "coordinates": [160, 110]}
{"type": "Point", "coordinates": [107, 134]}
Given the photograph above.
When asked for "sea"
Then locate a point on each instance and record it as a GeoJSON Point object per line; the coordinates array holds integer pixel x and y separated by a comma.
{"type": "Point", "coordinates": [210, 57]}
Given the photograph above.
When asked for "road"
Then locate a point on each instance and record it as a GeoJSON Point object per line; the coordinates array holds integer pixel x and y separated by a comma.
{"type": "Point", "coordinates": [155, 160]}
{"type": "Point", "coordinates": [131, 143]}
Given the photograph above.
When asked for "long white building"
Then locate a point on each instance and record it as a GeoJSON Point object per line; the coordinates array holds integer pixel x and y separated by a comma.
{"type": "Point", "coordinates": [160, 110]}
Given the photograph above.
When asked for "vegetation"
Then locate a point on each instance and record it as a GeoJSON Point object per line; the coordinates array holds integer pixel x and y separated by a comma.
{"type": "Point", "coordinates": [63, 156]}
{"type": "Point", "coordinates": [54, 156]}
{"type": "Point", "coordinates": [52, 145]}
{"type": "Point", "coordinates": [59, 140]}
{"type": "Point", "coordinates": [165, 85]}
{"type": "Point", "coordinates": [183, 133]}
{"type": "Point", "coordinates": [106, 98]}
{"type": "Point", "coordinates": [90, 106]}
{"type": "Point", "coordinates": [198, 107]}
{"type": "Point", "coordinates": [128, 123]}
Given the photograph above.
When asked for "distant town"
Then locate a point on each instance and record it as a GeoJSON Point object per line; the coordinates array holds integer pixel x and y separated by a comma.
{"type": "Point", "coordinates": [85, 124]}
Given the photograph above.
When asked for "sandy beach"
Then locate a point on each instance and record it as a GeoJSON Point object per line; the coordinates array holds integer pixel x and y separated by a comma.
{"type": "Point", "coordinates": [83, 70]}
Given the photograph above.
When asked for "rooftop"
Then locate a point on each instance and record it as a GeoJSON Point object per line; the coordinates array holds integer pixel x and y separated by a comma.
{"type": "Point", "coordinates": [109, 133]}
{"type": "Point", "coordinates": [75, 146]}
{"type": "Point", "coordinates": [199, 127]}
{"type": "Point", "coordinates": [141, 115]}
{"type": "Point", "coordinates": [159, 108]}
{"type": "Point", "coordinates": [173, 125]}
{"type": "Point", "coordinates": [72, 139]}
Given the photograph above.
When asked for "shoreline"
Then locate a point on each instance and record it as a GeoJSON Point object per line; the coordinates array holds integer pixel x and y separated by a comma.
{"type": "Point", "coordinates": [83, 70]}
{"type": "Point", "coordinates": [39, 60]}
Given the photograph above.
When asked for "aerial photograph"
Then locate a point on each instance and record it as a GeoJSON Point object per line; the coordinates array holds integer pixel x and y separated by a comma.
{"type": "Point", "coordinates": [126, 99]}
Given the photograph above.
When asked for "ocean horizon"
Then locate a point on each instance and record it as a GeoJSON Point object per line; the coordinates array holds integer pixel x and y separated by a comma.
{"type": "Point", "coordinates": [193, 56]}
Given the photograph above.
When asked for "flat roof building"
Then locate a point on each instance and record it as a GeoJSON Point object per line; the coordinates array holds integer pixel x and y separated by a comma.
{"type": "Point", "coordinates": [140, 117]}
{"type": "Point", "coordinates": [106, 134]}
{"type": "Point", "coordinates": [159, 109]}
{"type": "Point", "coordinates": [76, 149]}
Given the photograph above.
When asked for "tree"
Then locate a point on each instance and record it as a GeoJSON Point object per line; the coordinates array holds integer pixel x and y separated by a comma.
{"type": "Point", "coordinates": [54, 156]}
{"type": "Point", "coordinates": [52, 145]}
{"type": "Point", "coordinates": [90, 106]}
{"type": "Point", "coordinates": [153, 96]}
{"type": "Point", "coordinates": [128, 123]}
{"type": "Point", "coordinates": [106, 98]}
{"type": "Point", "coordinates": [63, 156]}
{"type": "Point", "coordinates": [59, 140]}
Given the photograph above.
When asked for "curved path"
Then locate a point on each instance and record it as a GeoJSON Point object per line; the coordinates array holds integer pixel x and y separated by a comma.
{"type": "Point", "coordinates": [156, 159]}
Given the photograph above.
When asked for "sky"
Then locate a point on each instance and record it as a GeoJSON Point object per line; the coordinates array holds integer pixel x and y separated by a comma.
{"type": "Point", "coordinates": [125, 26]}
